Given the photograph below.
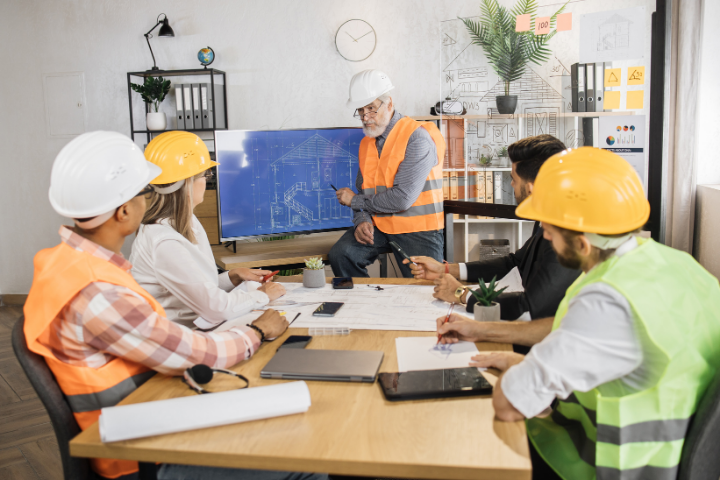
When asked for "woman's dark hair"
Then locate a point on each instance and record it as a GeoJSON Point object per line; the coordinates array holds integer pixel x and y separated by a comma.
{"type": "Point", "coordinates": [530, 153]}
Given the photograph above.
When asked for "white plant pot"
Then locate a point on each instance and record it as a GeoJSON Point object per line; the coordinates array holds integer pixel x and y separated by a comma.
{"type": "Point", "coordinates": [487, 314]}
{"type": "Point", "coordinates": [156, 121]}
{"type": "Point", "coordinates": [313, 278]}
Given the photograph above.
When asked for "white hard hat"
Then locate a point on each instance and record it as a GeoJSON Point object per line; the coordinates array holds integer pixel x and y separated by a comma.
{"type": "Point", "coordinates": [367, 86]}
{"type": "Point", "coordinates": [96, 173]}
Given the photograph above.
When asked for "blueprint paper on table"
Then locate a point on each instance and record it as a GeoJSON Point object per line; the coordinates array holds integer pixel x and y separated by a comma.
{"type": "Point", "coordinates": [272, 182]}
{"type": "Point", "coordinates": [423, 353]}
{"type": "Point", "coordinates": [396, 307]}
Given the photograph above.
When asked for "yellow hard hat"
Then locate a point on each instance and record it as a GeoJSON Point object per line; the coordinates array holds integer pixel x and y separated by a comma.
{"type": "Point", "coordinates": [587, 190]}
{"type": "Point", "coordinates": [180, 154]}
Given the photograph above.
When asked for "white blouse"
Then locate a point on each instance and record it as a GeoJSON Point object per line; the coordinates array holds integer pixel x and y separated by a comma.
{"type": "Point", "coordinates": [183, 277]}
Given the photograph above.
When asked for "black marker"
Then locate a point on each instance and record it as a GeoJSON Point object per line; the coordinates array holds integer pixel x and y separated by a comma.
{"type": "Point", "coordinates": [333, 187]}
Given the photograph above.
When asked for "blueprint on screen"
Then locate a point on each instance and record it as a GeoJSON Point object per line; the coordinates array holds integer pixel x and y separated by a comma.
{"type": "Point", "coordinates": [272, 182]}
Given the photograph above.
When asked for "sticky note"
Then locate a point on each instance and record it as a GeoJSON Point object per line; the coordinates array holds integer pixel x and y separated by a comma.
{"type": "Point", "coordinates": [636, 76]}
{"type": "Point", "coordinates": [634, 99]}
{"type": "Point", "coordinates": [612, 77]}
{"type": "Point", "coordinates": [612, 100]}
{"type": "Point", "coordinates": [564, 22]}
{"type": "Point", "coordinates": [542, 25]}
{"type": "Point", "coordinates": [522, 23]}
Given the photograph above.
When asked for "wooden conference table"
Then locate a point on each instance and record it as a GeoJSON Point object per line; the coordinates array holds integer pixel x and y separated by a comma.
{"type": "Point", "coordinates": [350, 429]}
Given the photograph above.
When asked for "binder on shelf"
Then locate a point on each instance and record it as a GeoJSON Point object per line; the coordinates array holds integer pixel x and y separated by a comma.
{"type": "Point", "coordinates": [187, 104]}
{"type": "Point", "coordinates": [204, 104]}
{"type": "Point", "coordinates": [453, 186]}
{"type": "Point", "coordinates": [489, 192]}
{"type": "Point", "coordinates": [219, 105]}
{"type": "Point", "coordinates": [462, 186]}
{"type": "Point", "coordinates": [577, 79]}
{"type": "Point", "coordinates": [180, 113]}
{"type": "Point", "coordinates": [590, 87]}
{"type": "Point", "coordinates": [471, 186]}
{"type": "Point", "coordinates": [599, 86]}
{"type": "Point", "coordinates": [498, 182]}
{"type": "Point", "coordinates": [590, 126]}
{"type": "Point", "coordinates": [446, 186]}
{"type": "Point", "coordinates": [197, 112]}
{"type": "Point", "coordinates": [480, 181]}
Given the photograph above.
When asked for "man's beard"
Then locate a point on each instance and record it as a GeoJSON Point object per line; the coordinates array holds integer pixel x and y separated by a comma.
{"type": "Point", "coordinates": [373, 130]}
{"type": "Point", "coordinates": [569, 258]}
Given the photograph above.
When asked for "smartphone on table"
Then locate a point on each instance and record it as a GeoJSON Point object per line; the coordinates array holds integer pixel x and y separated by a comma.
{"type": "Point", "coordinates": [342, 283]}
{"type": "Point", "coordinates": [328, 309]}
{"type": "Point", "coordinates": [296, 341]}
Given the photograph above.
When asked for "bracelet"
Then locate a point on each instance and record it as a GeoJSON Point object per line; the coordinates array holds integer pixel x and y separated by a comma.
{"type": "Point", "coordinates": [258, 330]}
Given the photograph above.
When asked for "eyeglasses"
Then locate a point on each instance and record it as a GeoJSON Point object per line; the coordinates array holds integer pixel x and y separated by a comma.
{"type": "Point", "coordinates": [146, 190]}
{"type": "Point", "coordinates": [208, 175]}
{"type": "Point", "coordinates": [361, 112]}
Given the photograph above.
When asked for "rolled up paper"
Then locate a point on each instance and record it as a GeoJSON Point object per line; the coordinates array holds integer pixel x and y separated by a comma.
{"type": "Point", "coordinates": [161, 417]}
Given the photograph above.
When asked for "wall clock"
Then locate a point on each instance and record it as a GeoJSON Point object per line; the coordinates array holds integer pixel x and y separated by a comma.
{"type": "Point", "coordinates": [355, 40]}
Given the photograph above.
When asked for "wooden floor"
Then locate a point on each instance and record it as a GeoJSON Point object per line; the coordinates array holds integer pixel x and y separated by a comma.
{"type": "Point", "coordinates": [28, 449]}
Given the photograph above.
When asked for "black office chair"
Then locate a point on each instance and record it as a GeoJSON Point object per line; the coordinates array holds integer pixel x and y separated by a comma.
{"type": "Point", "coordinates": [700, 459]}
{"type": "Point", "coordinates": [63, 421]}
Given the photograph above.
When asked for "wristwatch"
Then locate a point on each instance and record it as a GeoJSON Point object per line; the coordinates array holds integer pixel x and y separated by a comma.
{"type": "Point", "coordinates": [459, 292]}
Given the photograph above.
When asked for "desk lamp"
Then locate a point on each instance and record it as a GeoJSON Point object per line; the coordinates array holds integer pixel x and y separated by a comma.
{"type": "Point", "coordinates": [165, 31]}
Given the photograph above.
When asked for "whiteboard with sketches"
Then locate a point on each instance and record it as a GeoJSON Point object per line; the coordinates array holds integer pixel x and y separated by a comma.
{"type": "Point", "coordinates": [612, 35]}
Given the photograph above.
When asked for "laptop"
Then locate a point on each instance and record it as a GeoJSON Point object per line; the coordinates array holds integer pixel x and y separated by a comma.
{"type": "Point", "coordinates": [330, 365]}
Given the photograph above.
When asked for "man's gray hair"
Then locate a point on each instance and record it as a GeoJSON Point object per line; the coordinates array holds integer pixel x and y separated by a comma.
{"type": "Point", "coordinates": [385, 97]}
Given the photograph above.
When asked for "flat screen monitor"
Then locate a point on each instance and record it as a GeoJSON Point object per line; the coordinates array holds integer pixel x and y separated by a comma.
{"type": "Point", "coordinates": [279, 182]}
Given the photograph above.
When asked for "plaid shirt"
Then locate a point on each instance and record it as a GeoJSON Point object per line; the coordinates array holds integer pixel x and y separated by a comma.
{"type": "Point", "coordinates": [105, 321]}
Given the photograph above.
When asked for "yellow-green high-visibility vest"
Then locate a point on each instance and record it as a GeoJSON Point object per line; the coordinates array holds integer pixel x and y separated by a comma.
{"type": "Point", "coordinates": [611, 432]}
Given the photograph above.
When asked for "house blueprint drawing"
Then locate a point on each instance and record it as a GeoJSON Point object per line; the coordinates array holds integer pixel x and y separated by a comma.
{"type": "Point", "coordinates": [273, 182]}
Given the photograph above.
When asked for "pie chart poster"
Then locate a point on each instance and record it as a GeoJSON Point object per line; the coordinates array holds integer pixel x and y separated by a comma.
{"type": "Point", "coordinates": [625, 135]}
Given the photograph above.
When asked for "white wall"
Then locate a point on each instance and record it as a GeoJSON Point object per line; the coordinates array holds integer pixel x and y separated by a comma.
{"type": "Point", "coordinates": [708, 171]}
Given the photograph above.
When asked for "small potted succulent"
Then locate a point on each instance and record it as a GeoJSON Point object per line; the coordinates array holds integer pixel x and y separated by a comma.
{"type": "Point", "coordinates": [484, 161]}
{"type": "Point", "coordinates": [153, 92]}
{"type": "Point", "coordinates": [503, 157]}
{"type": "Point", "coordinates": [486, 310]}
{"type": "Point", "coordinates": [314, 273]}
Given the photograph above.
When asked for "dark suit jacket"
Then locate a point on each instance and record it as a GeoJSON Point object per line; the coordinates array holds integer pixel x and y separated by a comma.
{"type": "Point", "coordinates": [544, 279]}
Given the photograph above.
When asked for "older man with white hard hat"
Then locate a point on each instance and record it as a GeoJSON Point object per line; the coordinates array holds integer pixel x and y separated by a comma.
{"type": "Point", "coordinates": [399, 183]}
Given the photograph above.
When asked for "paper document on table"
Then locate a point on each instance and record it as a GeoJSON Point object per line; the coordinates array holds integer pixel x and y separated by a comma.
{"type": "Point", "coordinates": [512, 281]}
{"type": "Point", "coordinates": [202, 411]}
{"type": "Point", "coordinates": [395, 307]}
{"type": "Point", "coordinates": [423, 353]}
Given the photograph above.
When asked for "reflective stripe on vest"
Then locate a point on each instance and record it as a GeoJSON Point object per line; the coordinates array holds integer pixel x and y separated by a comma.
{"type": "Point", "coordinates": [87, 402]}
{"type": "Point", "coordinates": [60, 274]}
{"type": "Point", "coordinates": [610, 433]}
{"type": "Point", "coordinates": [378, 172]}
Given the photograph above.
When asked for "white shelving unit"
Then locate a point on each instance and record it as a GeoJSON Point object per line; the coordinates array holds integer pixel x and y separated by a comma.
{"type": "Point", "coordinates": [469, 231]}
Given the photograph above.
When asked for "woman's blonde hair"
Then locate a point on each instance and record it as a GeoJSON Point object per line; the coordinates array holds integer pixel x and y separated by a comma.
{"type": "Point", "coordinates": [177, 207]}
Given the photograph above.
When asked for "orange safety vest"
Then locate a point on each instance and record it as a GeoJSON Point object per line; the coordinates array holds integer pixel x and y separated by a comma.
{"type": "Point", "coordinates": [60, 274]}
{"type": "Point", "coordinates": [379, 174]}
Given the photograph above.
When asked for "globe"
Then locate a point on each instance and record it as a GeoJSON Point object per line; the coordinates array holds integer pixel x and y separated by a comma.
{"type": "Point", "coordinates": [206, 56]}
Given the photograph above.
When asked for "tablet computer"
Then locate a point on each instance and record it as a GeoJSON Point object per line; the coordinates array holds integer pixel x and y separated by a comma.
{"type": "Point", "coordinates": [452, 382]}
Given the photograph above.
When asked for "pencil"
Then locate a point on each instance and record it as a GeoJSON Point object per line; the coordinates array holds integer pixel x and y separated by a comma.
{"type": "Point", "coordinates": [447, 317]}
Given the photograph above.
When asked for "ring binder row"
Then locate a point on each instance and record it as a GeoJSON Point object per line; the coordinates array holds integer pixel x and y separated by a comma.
{"type": "Point", "coordinates": [588, 86]}
{"type": "Point", "coordinates": [194, 106]}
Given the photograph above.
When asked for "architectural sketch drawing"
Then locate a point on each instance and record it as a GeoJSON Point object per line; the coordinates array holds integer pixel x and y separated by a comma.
{"type": "Point", "coordinates": [530, 87]}
{"type": "Point", "coordinates": [300, 192]}
{"type": "Point", "coordinates": [614, 33]}
{"type": "Point", "coordinates": [541, 120]}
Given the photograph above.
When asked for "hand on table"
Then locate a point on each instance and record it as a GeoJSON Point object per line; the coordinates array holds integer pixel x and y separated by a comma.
{"type": "Point", "coordinates": [271, 322]}
{"type": "Point", "coordinates": [272, 290]}
{"type": "Point", "coordinates": [427, 268]}
{"type": "Point", "coordinates": [365, 233]}
{"type": "Point", "coordinates": [345, 196]}
{"type": "Point", "coordinates": [459, 328]}
{"type": "Point", "coordinates": [445, 287]}
{"type": "Point", "coordinates": [500, 360]}
{"type": "Point", "coordinates": [239, 275]}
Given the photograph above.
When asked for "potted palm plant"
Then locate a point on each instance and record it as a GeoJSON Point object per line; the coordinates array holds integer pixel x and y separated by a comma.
{"type": "Point", "coordinates": [486, 309]}
{"type": "Point", "coordinates": [153, 92]}
{"type": "Point", "coordinates": [509, 51]}
{"type": "Point", "coordinates": [314, 273]}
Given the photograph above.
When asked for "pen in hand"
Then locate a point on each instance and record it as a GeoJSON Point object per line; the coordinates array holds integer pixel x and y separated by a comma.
{"type": "Point", "coordinates": [333, 186]}
{"type": "Point", "coordinates": [447, 317]}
